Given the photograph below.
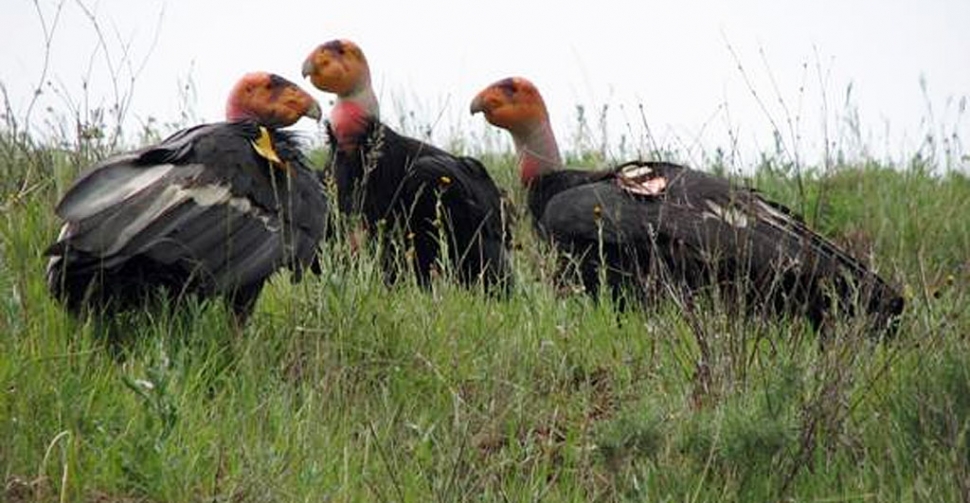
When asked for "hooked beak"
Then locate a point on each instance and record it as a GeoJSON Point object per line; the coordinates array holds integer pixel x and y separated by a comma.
{"type": "Point", "coordinates": [478, 104]}
{"type": "Point", "coordinates": [308, 66]}
{"type": "Point", "coordinates": [314, 112]}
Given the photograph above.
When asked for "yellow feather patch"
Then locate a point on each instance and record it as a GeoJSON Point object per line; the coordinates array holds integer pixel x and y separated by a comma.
{"type": "Point", "coordinates": [264, 147]}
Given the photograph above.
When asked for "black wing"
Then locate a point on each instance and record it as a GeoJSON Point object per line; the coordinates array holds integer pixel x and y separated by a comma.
{"type": "Point", "coordinates": [428, 193]}
{"type": "Point", "coordinates": [546, 187]}
{"type": "Point", "coordinates": [703, 229]}
{"type": "Point", "coordinates": [459, 193]}
{"type": "Point", "coordinates": [202, 211]}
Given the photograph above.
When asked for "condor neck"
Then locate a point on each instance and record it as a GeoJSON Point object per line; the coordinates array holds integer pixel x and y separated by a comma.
{"type": "Point", "coordinates": [235, 112]}
{"type": "Point", "coordinates": [352, 114]}
{"type": "Point", "coordinates": [538, 153]}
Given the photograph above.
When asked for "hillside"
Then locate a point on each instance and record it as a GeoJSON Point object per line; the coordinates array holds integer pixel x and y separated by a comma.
{"type": "Point", "coordinates": [343, 390]}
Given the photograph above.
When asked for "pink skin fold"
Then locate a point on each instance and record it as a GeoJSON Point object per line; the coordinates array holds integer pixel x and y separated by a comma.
{"type": "Point", "coordinates": [348, 120]}
{"type": "Point", "coordinates": [538, 152]}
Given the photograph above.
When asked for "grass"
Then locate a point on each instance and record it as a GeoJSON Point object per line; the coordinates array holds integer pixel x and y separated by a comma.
{"type": "Point", "coordinates": [343, 390]}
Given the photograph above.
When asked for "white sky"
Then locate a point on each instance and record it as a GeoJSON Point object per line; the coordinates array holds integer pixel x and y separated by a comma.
{"type": "Point", "coordinates": [672, 58]}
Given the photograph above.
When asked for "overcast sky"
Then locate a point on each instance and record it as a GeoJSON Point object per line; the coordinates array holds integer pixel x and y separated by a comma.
{"type": "Point", "coordinates": [677, 61]}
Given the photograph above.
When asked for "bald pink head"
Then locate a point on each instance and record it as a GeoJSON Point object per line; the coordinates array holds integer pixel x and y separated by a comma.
{"type": "Point", "coordinates": [270, 100]}
{"type": "Point", "coordinates": [514, 104]}
{"type": "Point", "coordinates": [340, 67]}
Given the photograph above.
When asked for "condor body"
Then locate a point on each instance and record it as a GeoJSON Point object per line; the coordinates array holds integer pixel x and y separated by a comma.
{"type": "Point", "coordinates": [213, 210]}
{"type": "Point", "coordinates": [665, 229]}
{"type": "Point", "coordinates": [422, 199]}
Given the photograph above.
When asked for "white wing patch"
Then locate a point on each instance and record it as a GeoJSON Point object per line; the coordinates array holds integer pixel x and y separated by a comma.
{"type": "Point", "coordinates": [637, 172]}
{"type": "Point", "coordinates": [65, 232]}
{"type": "Point", "coordinates": [171, 197]}
{"type": "Point", "coordinates": [244, 205]}
{"type": "Point", "coordinates": [119, 183]}
{"type": "Point", "coordinates": [779, 220]}
{"type": "Point", "coordinates": [641, 180]}
{"type": "Point", "coordinates": [731, 216]}
{"type": "Point", "coordinates": [778, 216]}
{"type": "Point", "coordinates": [108, 187]}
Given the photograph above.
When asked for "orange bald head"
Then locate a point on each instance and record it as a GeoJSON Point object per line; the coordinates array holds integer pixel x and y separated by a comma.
{"type": "Point", "coordinates": [270, 100]}
{"type": "Point", "coordinates": [513, 104]}
{"type": "Point", "coordinates": [338, 67]}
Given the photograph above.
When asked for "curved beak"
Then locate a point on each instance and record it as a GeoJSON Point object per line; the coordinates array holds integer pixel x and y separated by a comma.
{"type": "Point", "coordinates": [478, 104]}
{"type": "Point", "coordinates": [308, 66]}
{"type": "Point", "coordinates": [314, 112]}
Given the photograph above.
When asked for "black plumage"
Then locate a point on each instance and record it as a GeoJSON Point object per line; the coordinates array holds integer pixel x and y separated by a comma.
{"type": "Point", "coordinates": [423, 199]}
{"type": "Point", "coordinates": [416, 198]}
{"type": "Point", "coordinates": [663, 229]}
{"type": "Point", "coordinates": [667, 229]}
{"type": "Point", "coordinates": [203, 212]}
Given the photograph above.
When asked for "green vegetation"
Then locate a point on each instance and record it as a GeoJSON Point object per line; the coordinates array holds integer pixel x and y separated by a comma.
{"type": "Point", "coordinates": [343, 390]}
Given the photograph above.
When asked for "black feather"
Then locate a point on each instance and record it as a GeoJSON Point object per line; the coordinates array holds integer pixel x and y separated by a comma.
{"type": "Point", "coordinates": [427, 198]}
{"type": "Point", "coordinates": [201, 213]}
{"type": "Point", "coordinates": [702, 232]}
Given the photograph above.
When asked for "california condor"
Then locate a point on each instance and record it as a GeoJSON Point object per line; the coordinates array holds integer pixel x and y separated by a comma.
{"type": "Point", "coordinates": [661, 227]}
{"type": "Point", "coordinates": [417, 197]}
{"type": "Point", "coordinates": [212, 210]}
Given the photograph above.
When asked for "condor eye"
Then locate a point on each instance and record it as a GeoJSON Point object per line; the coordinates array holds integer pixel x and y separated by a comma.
{"type": "Point", "coordinates": [275, 81]}
{"type": "Point", "coordinates": [336, 46]}
{"type": "Point", "coordinates": [508, 87]}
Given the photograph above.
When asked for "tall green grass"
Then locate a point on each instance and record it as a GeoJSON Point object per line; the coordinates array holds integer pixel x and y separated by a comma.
{"type": "Point", "coordinates": [341, 389]}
